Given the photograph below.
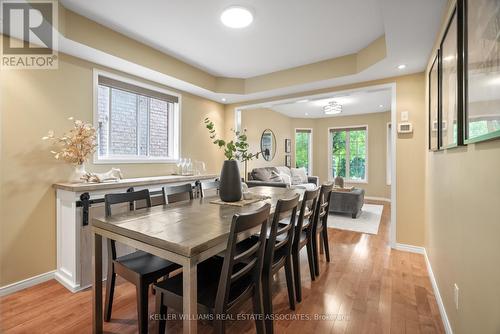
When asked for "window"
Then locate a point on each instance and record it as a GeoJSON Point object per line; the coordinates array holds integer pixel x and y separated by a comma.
{"type": "Point", "coordinates": [135, 122]}
{"type": "Point", "coordinates": [348, 156]}
{"type": "Point", "coordinates": [303, 149]}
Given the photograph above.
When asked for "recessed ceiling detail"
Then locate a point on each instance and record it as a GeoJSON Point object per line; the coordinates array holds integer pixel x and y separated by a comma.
{"type": "Point", "coordinates": [352, 103]}
{"type": "Point", "coordinates": [184, 45]}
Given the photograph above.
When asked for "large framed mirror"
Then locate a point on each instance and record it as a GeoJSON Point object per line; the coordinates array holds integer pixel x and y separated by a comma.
{"type": "Point", "coordinates": [268, 145]}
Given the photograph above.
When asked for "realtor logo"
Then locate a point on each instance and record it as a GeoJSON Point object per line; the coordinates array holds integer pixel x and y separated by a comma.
{"type": "Point", "coordinates": [30, 34]}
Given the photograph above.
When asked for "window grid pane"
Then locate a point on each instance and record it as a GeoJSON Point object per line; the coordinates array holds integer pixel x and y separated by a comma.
{"type": "Point", "coordinates": [302, 149]}
{"type": "Point", "coordinates": [131, 124]}
{"type": "Point", "coordinates": [123, 123]}
{"type": "Point", "coordinates": [339, 139]}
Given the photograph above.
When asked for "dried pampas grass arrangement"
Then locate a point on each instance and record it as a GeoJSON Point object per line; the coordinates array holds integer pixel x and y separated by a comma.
{"type": "Point", "coordinates": [76, 146]}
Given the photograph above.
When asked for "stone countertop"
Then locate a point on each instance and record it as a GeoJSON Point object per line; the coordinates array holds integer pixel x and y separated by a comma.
{"type": "Point", "coordinates": [142, 181]}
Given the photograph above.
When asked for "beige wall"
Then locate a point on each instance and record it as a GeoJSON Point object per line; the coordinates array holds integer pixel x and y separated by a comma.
{"type": "Point", "coordinates": [462, 231]}
{"type": "Point", "coordinates": [377, 149]}
{"type": "Point", "coordinates": [32, 102]}
{"type": "Point", "coordinates": [258, 120]}
{"type": "Point", "coordinates": [410, 151]}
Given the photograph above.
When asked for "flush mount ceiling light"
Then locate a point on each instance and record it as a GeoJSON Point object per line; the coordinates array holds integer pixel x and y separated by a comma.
{"type": "Point", "coordinates": [332, 107]}
{"type": "Point", "coordinates": [401, 67]}
{"type": "Point", "coordinates": [236, 17]}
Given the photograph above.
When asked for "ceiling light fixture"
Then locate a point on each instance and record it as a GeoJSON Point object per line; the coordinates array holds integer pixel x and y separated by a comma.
{"type": "Point", "coordinates": [307, 114]}
{"type": "Point", "coordinates": [332, 108]}
{"type": "Point", "coordinates": [401, 67]}
{"type": "Point", "coordinates": [380, 105]}
{"type": "Point", "coordinates": [223, 99]}
{"type": "Point", "coordinates": [236, 17]}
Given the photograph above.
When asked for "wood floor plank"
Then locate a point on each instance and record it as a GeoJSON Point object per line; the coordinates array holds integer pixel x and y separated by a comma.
{"type": "Point", "coordinates": [366, 288]}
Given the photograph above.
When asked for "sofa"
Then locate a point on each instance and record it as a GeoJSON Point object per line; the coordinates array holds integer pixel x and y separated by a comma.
{"type": "Point", "coordinates": [282, 177]}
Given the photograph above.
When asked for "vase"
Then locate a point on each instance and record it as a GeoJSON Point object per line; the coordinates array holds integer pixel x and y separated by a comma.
{"type": "Point", "coordinates": [230, 182]}
{"type": "Point", "coordinates": [78, 173]}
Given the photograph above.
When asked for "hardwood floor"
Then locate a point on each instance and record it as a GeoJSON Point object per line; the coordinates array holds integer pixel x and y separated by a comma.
{"type": "Point", "coordinates": [367, 288]}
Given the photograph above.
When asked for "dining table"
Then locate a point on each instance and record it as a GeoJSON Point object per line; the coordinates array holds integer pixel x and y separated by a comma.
{"type": "Point", "coordinates": [186, 233]}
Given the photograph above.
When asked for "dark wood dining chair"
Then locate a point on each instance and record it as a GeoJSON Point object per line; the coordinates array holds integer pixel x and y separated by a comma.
{"type": "Point", "coordinates": [278, 254]}
{"type": "Point", "coordinates": [224, 283]}
{"type": "Point", "coordinates": [303, 237]}
{"type": "Point", "coordinates": [139, 268]}
{"type": "Point", "coordinates": [203, 186]}
{"type": "Point", "coordinates": [320, 228]}
{"type": "Point", "coordinates": [173, 194]}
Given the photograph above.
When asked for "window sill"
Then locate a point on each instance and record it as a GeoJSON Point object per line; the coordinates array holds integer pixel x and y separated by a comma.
{"type": "Point", "coordinates": [352, 181]}
{"type": "Point", "coordinates": [134, 161]}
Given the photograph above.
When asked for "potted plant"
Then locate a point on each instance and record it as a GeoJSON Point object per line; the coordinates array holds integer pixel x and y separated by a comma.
{"type": "Point", "coordinates": [75, 147]}
{"type": "Point", "coordinates": [234, 151]}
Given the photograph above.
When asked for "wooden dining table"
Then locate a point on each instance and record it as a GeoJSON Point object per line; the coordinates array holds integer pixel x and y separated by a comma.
{"type": "Point", "coordinates": [186, 233]}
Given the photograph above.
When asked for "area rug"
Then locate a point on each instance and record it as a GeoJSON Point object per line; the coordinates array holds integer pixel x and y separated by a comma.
{"type": "Point", "coordinates": [367, 222]}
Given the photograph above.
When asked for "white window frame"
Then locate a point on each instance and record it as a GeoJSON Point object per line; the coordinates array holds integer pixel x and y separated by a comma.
{"type": "Point", "coordinates": [310, 153]}
{"type": "Point", "coordinates": [346, 179]}
{"type": "Point", "coordinates": [174, 129]}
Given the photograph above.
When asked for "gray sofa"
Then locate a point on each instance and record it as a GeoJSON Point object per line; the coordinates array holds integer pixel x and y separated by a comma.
{"type": "Point", "coordinates": [266, 176]}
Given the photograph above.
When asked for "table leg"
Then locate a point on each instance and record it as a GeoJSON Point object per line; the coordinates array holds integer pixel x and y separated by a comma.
{"type": "Point", "coordinates": [97, 284]}
{"type": "Point", "coordinates": [190, 305]}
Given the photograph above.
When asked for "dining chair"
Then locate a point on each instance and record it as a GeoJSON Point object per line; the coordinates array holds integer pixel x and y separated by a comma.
{"type": "Point", "coordinates": [224, 283]}
{"type": "Point", "coordinates": [203, 186]}
{"type": "Point", "coordinates": [139, 268]}
{"type": "Point", "coordinates": [173, 194]}
{"type": "Point", "coordinates": [320, 227]}
{"type": "Point", "coordinates": [278, 254]}
{"type": "Point", "coordinates": [303, 237]}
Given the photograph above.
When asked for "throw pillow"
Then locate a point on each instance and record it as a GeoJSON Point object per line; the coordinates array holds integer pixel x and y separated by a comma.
{"type": "Point", "coordinates": [286, 179]}
{"type": "Point", "coordinates": [261, 174]}
{"type": "Point", "coordinates": [299, 175]}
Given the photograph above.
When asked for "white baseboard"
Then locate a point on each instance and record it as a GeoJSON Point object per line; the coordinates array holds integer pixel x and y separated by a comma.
{"type": "Point", "coordinates": [382, 199]}
{"type": "Point", "coordinates": [439, 300]}
{"type": "Point", "coordinates": [26, 283]}
{"type": "Point", "coordinates": [437, 295]}
{"type": "Point", "coordinates": [409, 248]}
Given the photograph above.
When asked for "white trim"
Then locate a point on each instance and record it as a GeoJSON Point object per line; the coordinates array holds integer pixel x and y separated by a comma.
{"type": "Point", "coordinates": [311, 148]}
{"type": "Point", "coordinates": [409, 248]}
{"type": "Point", "coordinates": [437, 295]}
{"type": "Point", "coordinates": [175, 123]}
{"type": "Point", "coordinates": [388, 139]}
{"type": "Point", "coordinates": [375, 198]}
{"type": "Point", "coordinates": [394, 119]}
{"type": "Point", "coordinates": [346, 179]}
{"type": "Point", "coordinates": [26, 283]}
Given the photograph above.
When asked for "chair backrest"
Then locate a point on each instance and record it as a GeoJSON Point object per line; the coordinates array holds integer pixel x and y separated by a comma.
{"type": "Point", "coordinates": [322, 207]}
{"type": "Point", "coordinates": [179, 193]}
{"type": "Point", "coordinates": [306, 214]}
{"type": "Point", "coordinates": [203, 186]}
{"type": "Point", "coordinates": [130, 197]}
{"type": "Point", "coordinates": [245, 262]}
{"type": "Point", "coordinates": [281, 235]}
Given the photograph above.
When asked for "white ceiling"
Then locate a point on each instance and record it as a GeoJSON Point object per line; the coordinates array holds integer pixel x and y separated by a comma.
{"type": "Point", "coordinates": [353, 103]}
{"type": "Point", "coordinates": [284, 34]}
{"type": "Point", "coordinates": [273, 42]}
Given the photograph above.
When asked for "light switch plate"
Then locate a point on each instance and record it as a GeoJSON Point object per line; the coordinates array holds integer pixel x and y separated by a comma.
{"type": "Point", "coordinates": [404, 116]}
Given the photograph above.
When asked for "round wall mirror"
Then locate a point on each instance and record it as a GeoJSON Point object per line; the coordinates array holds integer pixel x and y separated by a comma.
{"type": "Point", "coordinates": [268, 145]}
